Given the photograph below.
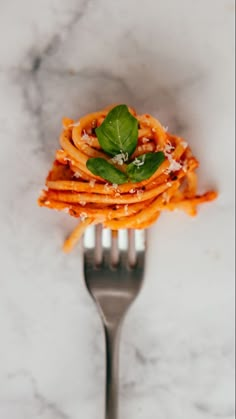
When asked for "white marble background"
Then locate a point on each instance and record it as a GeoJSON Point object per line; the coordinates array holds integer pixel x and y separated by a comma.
{"type": "Point", "coordinates": [173, 58]}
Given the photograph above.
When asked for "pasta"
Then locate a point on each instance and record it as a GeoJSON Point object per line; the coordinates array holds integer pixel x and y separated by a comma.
{"type": "Point", "coordinates": [71, 187]}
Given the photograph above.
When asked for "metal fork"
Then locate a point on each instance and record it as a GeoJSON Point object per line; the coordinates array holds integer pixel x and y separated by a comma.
{"type": "Point", "coordinates": [114, 278]}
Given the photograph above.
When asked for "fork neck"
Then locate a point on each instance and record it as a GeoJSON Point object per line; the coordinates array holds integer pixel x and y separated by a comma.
{"type": "Point", "coordinates": [112, 335]}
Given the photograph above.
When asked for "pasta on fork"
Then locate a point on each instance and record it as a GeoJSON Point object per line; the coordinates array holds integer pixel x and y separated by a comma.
{"type": "Point", "coordinates": [122, 170]}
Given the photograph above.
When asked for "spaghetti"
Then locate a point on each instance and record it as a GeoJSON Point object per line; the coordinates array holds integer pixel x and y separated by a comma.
{"type": "Point", "coordinates": [73, 188]}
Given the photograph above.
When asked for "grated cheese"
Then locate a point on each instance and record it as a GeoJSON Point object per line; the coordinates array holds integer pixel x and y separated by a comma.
{"type": "Point", "coordinates": [83, 216]}
{"type": "Point", "coordinates": [120, 158]}
{"type": "Point", "coordinates": [168, 148]}
{"type": "Point", "coordinates": [139, 194]}
{"type": "Point", "coordinates": [145, 140]}
{"type": "Point", "coordinates": [92, 183]}
{"type": "Point", "coordinates": [184, 144]}
{"type": "Point", "coordinates": [83, 203]}
{"type": "Point", "coordinates": [126, 209]}
{"type": "Point", "coordinates": [85, 136]}
{"type": "Point", "coordinates": [138, 162]}
{"type": "Point", "coordinates": [77, 175]}
{"type": "Point", "coordinates": [132, 191]}
{"type": "Point", "coordinates": [174, 166]}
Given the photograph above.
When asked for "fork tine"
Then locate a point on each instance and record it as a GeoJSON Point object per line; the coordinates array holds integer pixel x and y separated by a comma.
{"type": "Point", "coordinates": [132, 255]}
{"type": "Point", "coordinates": [89, 238]}
{"type": "Point", "coordinates": [140, 260]}
{"type": "Point", "coordinates": [98, 251]}
{"type": "Point", "coordinates": [123, 240]}
{"type": "Point", "coordinates": [115, 254]}
{"type": "Point", "coordinates": [141, 240]}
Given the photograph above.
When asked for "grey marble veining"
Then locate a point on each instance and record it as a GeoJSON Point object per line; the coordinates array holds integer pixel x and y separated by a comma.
{"type": "Point", "coordinates": [173, 59]}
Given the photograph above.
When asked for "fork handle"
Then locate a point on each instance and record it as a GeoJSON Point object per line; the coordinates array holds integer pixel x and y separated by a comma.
{"type": "Point", "coordinates": [112, 335]}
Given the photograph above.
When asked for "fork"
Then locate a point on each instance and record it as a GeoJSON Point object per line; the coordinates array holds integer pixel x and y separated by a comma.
{"type": "Point", "coordinates": [114, 278]}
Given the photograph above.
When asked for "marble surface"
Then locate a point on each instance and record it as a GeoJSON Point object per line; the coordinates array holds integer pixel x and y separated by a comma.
{"type": "Point", "coordinates": [173, 59]}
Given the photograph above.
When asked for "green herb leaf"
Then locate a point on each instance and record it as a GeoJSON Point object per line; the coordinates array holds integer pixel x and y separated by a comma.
{"type": "Point", "coordinates": [107, 171]}
{"type": "Point", "coordinates": [143, 167]}
{"type": "Point", "coordinates": [119, 131]}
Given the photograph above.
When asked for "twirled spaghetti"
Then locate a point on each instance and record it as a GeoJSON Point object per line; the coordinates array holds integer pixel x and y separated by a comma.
{"type": "Point", "coordinates": [72, 188]}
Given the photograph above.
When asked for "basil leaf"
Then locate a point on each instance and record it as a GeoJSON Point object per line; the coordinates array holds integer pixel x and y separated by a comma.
{"type": "Point", "coordinates": [119, 131]}
{"type": "Point", "coordinates": [105, 170]}
{"type": "Point", "coordinates": [143, 167]}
